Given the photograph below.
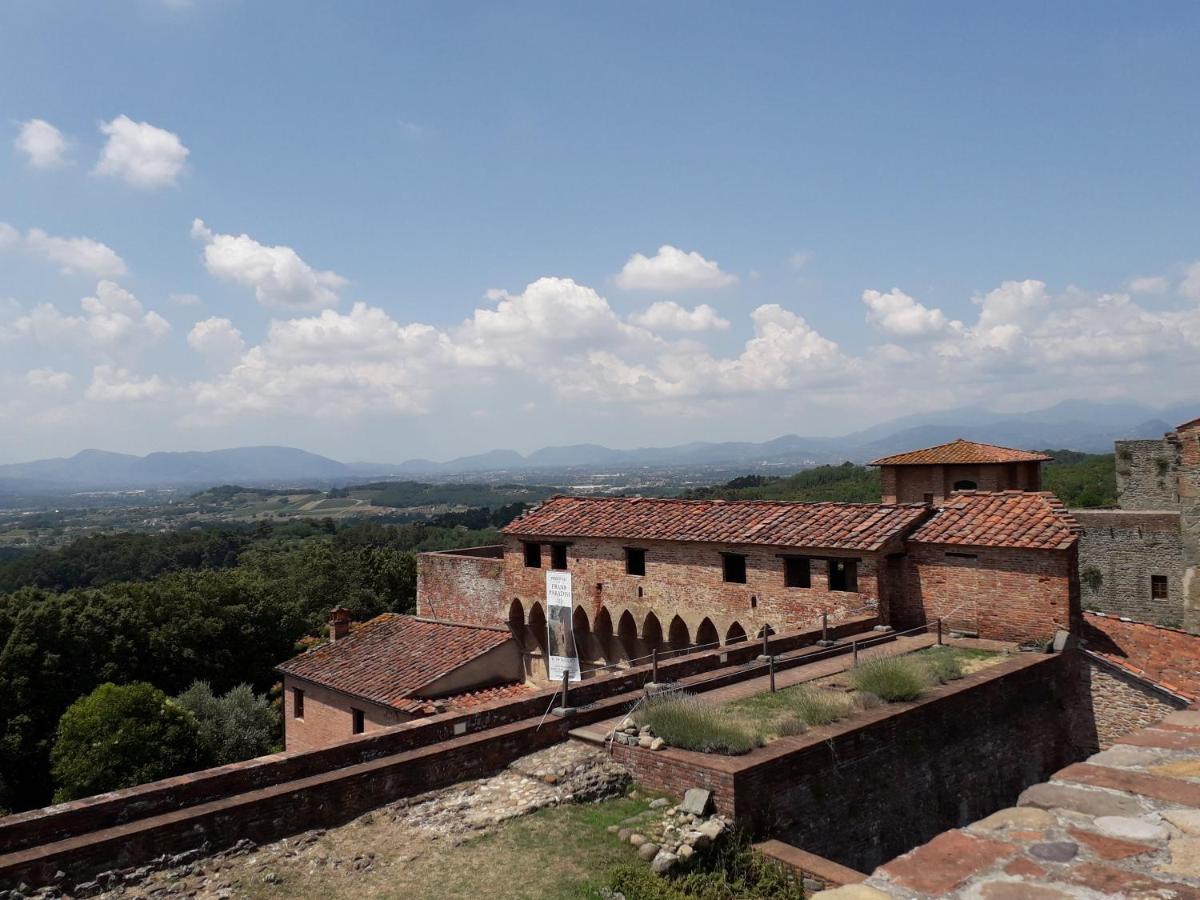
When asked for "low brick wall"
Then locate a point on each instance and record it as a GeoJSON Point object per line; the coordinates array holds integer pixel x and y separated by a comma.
{"type": "Point", "coordinates": [170, 815]}
{"type": "Point", "coordinates": [462, 585]}
{"type": "Point", "coordinates": [1167, 656]}
{"type": "Point", "coordinates": [864, 791]}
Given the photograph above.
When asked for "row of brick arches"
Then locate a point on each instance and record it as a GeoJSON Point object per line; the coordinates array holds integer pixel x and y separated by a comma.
{"type": "Point", "coordinates": [602, 642]}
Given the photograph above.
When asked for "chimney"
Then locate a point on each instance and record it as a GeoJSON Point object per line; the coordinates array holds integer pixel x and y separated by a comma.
{"type": "Point", "coordinates": [339, 623]}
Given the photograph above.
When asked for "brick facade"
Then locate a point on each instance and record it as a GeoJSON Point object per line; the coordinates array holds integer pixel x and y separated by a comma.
{"type": "Point", "coordinates": [998, 593]}
{"type": "Point", "coordinates": [462, 585]}
{"type": "Point", "coordinates": [327, 715]}
{"type": "Point", "coordinates": [917, 484]}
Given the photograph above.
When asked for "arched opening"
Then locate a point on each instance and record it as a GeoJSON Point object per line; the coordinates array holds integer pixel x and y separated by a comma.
{"type": "Point", "coordinates": [677, 634]}
{"type": "Point", "coordinates": [767, 630]}
{"type": "Point", "coordinates": [736, 634]}
{"type": "Point", "coordinates": [602, 630]}
{"type": "Point", "coordinates": [627, 635]}
{"type": "Point", "coordinates": [537, 640]}
{"type": "Point", "coordinates": [652, 633]}
{"type": "Point", "coordinates": [706, 634]}
{"type": "Point", "coordinates": [516, 622]}
{"type": "Point", "coordinates": [966, 485]}
{"type": "Point", "coordinates": [582, 630]}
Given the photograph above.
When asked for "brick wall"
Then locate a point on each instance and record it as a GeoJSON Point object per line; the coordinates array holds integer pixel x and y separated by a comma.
{"type": "Point", "coordinates": [862, 792]}
{"type": "Point", "coordinates": [685, 580]}
{"type": "Point", "coordinates": [327, 717]}
{"type": "Point", "coordinates": [462, 585]}
{"type": "Point", "coordinates": [1125, 548]}
{"type": "Point", "coordinates": [1000, 593]}
{"type": "Point", "coordinates": [910, 484]}
{"type": "Point", "coordinates": [1167, 656]}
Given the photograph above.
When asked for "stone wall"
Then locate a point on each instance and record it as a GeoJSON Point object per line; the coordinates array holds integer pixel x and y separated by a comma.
{"type": "Point", "coordinates": [1147, 474]}
{"type": "Point", "coordinates": [462, 585]}
{"type": "Point", "coordinates": [1119, 550]}
{"type": "Point", "coordinates": [1003, 594]}
{"type": "Point", "coordinates": [1121, 702]}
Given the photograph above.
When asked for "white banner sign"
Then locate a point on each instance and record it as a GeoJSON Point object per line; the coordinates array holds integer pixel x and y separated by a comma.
{"type": "Point", "coordinates": [560, 646]}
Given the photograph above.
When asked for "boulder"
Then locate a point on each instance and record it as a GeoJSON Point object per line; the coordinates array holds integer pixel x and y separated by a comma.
{"type": "Point", "coordinates": [657, 744]}
{"type": "Point", "coordinates": [662, 862]}
{"type": "Point", "coordinates": [648, 851]}
{"type": "Point", "coordinates": [637, 839]}
{"type": "Point", "coordinates": [659, 803]}
{"type": "Point", "coordinates": [645, 741]}
{"type": "Point", "coordinates": [712, 829]}
{"type": "Point", "coordinates": [696, 801]}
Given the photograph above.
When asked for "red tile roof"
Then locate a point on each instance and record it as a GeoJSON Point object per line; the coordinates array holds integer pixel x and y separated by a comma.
{"type": "Point", "coordinates": [1026, 519]}
{"type": "Point", "coordinates": [842, 526]}
{"type": "Point", "coordinates": [391, 657]}
{"type": "Point", "coordinates": [960, 452]}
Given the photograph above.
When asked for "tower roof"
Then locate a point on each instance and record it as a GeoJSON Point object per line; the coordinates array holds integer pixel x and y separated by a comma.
{"type": "Point", "coordinates": [961, 452]}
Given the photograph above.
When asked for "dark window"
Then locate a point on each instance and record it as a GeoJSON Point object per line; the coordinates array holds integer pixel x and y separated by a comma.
{"type": "Point", "coordinates": [533, 556]}
{"type": "Point", "coordinates": [357, 716]}
{"type": "Point", "coordinates": [965, 485]}
{"type": "Point", "coordinates": [734, 567]}
{"type": "Point", "coordinates": [297, 703]}
{"type": "Point", "coordinates": [635, 561]}
{"type": "Point", "coordinates": [929, 499]}
{"type": "Point", "coordinates": [797, 572]}
{"type": "Point", "coordinates": [843, 575]}
{"type": "Point", "coordinates": [558, 556]}
{"type": "Point", "coordinates": [1158, 587]}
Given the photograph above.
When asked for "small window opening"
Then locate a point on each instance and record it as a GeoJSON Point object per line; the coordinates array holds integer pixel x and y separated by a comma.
{"type": "Point", "coordinates": [965, 486]}
{"type": "Point", "coordinates": [797, 572]}
{"type": "Point", "coordinates": [929, 499]}
{"type": "Point", "coordinates": [558, 556]}
{"type": "Point", "coordinates": [639, 590]}
{"type": "Point", "coordinates": [1158, 587]}
{"type": "Point", "coordinates": [843, 575]}
{"type": "Point", "coordinates": [753, 601]}
{"type": "Point", "coordinates": [734, 567]}
{"type": "Point", "coordinates": [358, 720]}
{"type": "Point", "coordinates": [635, 561]}
{"type": "Point", "coordinates": [533, 556]}
{"type": "Point", "coordinates": [297, 703]}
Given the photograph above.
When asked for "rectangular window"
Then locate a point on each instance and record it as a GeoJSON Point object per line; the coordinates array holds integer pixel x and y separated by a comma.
{"type": "Point", "coordinates": [1158, 587]}
{"type": "Point", "coordinates": [843, 575]}
{"type": "Point", "coordinates": [797, 572]}
{"type": "Point", "coordinates": [733, 566]}
{"type": "Point", "coordinates": [297, 703]}
{"type": "Point", "coordinates": [358, 724]}
{"type": "Point", "coordinates": [635, 561]}
{"type": "Point", "coordinates": [558, 556]}
{"type": "Point", "coordinates": [533, 556]}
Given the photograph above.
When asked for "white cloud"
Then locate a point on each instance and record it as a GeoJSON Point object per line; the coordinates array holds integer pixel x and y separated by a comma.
{"type": "Point", "coordinates": [43, 145]}
{"type": "Point", "coordinates": [1190, 286]}
{"type": "Point", "coordinates": [76, 254]}
{"type": "Point", "coordinates": [899, 314]}
{"type": "Point", "coordinates": [800, 259]}
{"type": "Point", "coordinates": [111, 322]}
{"type": "Point", "coordinates": [184, 300]}
{"type": "Point", "coordinates": [48, 380]}
{"type": "Point", "coordinates": [672, 269]}
{"type": "Point", "coordinates": [1151, 284]}
{"type": "Point", "coordinates": [217, 339]}
{"type": "Point", "coordinates": [667, 315]}
{"type": "Point", "coordinates": [111, 384]}
{"type": "Point", "coordinates": [279, 276]}
{"type": "Point", "coordinates": [141, 154]}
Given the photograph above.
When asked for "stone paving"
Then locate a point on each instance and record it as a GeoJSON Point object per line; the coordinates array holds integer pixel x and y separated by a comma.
{"type": "Point", "coordinates": [1125, 823]}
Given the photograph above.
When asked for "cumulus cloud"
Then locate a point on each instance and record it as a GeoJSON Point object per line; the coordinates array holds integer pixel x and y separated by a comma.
{"type": "Point", "coordinates": [672, 269]}
{"type": "Point", "coordinates": [111, 384]}
{"type": "Point", "coordinates": [667, 315]}
{"type": "Point", "coordinates": [112, 321]}
{"type": "Point", "coordinates": [1151, 284]}
{"type": "Point", "coordinates": [1190, 286]}
{"type": "Point", "coordinates": [141, 154]}
{"type": "Point", "coordinates": [49, 380]}
{"type": "Point", "coordinates": [899, 314]}
{"type": "Point", "coordinates": [216, 338]}
{"type": "Point", "coordinates": [74, 254]}
{"type": "Point", "coordinates": [279, 276]}
{"type": "Point", "coordinates": [43, 145]}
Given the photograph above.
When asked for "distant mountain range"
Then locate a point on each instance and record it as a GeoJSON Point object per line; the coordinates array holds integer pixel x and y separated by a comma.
{"type": "Point", "coordinates": [1074, 425]}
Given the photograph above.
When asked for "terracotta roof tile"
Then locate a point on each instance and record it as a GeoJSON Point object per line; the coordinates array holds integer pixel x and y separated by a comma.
{"type": "Point", "coordinates": [391, 657]}
{"type": "Point", "coordinates": [843, 526]}
{"type": "Point", "coordinates": [960, 452]}
{"type": "Point", "coordinates": [1025, 519]}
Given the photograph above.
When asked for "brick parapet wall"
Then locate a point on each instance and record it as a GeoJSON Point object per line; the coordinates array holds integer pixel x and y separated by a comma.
{"type": "Point", "coordinates": [126, 806]}
{"type": "Point", "coordinates": [1167, 656]}
{"type": "Point", "coordinates": [462, 585]}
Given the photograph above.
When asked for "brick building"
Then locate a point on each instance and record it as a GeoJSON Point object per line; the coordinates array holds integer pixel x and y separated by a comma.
{"type": "Point", "coordinates": [1141, 560]}
{"type": "Point", "coordinates": [933, 474]}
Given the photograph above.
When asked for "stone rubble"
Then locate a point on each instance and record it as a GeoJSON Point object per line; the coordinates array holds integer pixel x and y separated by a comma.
{"type": "Point", "coordinates": [666, 835]}
{"type": "Point", "coordinates": [629, 732]}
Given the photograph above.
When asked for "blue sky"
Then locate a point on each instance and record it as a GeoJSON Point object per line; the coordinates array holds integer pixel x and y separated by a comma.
{"type": "Point", "coordinates": [866, 209]}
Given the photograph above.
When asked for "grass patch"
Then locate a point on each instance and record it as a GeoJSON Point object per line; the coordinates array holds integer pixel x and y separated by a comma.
{"type": "Point", "coordinates": [816, 707]}
{"type": "Point", "coordinates": [689, 723]}
{"type": "Point", "coordinates": [894, 678]}
{"type": "Point", "coordinates": [943, 663]}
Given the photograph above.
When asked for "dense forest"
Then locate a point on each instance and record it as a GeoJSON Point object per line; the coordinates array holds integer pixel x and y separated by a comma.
{"type": "Point", "coordinates": [1079, 479]}
{"type": "Point", "coordinates": [221, 606]}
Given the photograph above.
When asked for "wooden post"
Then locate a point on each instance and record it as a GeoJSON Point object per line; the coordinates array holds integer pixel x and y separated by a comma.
{"type": "Point", "coordinates": [939, 632]}
{"type": "Point", "coordinates": [766, 649]}
{"type": "Point", "coordinates": [566, 682]}
{"type": "Point", "coordinates": [654, 665]}
{"type": "Point", "coordinates": [771, 670]}
{"type": "Point", "coordinates": [825, 627]}
{"type": "Point", "coordinates": [854, 647]}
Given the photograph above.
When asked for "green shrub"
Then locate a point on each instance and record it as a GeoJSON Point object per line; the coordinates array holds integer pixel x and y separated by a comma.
{"type": "Point", "coordinates": [791, 727]}
{"type": "Point", "coordinates": [235, 726]}
{"type": "Point", "coordinates": [893, 678]}
{"type": "Point", "coordinates": [120, 736]}
{"type": "Point", "coordinates": [689, 723]}
{"type": "Point", "coordinates": [817, 707]}
{"type": "Point", "coordinates": [944, 664]}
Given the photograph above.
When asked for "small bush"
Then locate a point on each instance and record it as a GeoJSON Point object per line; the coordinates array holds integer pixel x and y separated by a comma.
{"type": "Point", "coordinates": [815, 707]}
{"type": "Point", "coordinates": [691, 724]}
{"type": "Point", "coordinates": [791, 727]}
{"type": "Point", "coordinates": [868, 701]}
{"type": "Point", "coordinates": [944, 664]}
{"type": "Point", "coordinates": [894, 678]}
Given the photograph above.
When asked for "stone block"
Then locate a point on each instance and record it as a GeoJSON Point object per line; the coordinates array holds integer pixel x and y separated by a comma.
{"type": "Point", "coordinates": [696, 801]}
{"type": "Point", "coordinates": [1080, 799]}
